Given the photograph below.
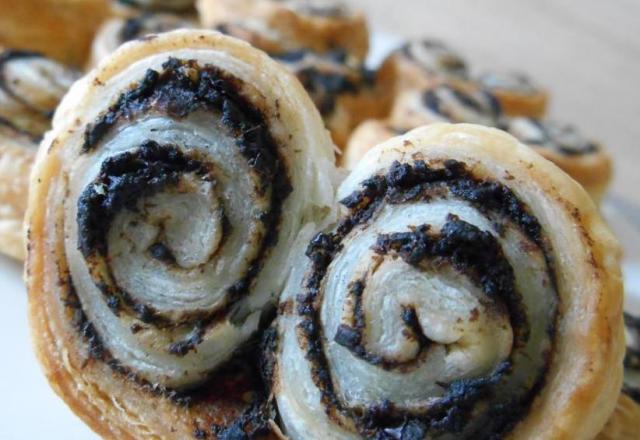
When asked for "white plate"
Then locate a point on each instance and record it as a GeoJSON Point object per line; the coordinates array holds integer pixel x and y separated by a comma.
{"type": "Point", "coordinates": [31, 410]}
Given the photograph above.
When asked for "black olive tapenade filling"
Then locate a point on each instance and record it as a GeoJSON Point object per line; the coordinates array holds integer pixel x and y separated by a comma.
{"type": "Point", "coordinates": [467, 249]}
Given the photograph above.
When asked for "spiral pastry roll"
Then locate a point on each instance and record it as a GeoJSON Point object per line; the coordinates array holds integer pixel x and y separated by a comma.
{"type": "Point", "coordinates": [445, 103]}
{"type": "Point", "coordinates": [118, 31]}
{"type": "Point", "coordinates": [30, 88]}
{"type": "Point", "coordinates": [163, 207]}
{"type": "Point", "coordinates": [517, 94]}
{"type": "Point", "coordinates": [469, 290]}
{"type": "Point", "coordinates": [584, 160]}
{"type": "Point", "coordinates": [420, 64]}
{"type": "Point", "coordinates": [317, 25]}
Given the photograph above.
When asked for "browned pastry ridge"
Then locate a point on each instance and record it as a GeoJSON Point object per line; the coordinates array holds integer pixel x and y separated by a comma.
{"type": "Point", "coordinates": [163, 207]}
{"type": "Point", "coordinates": [469, 289]}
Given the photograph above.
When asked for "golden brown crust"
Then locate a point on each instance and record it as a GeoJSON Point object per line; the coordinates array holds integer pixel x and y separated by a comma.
{"type": "Point", "coordinates": [60, 29]}
{"type": "Point", "coordinates": [108, 395]}
{"type": "Point", "coordinates": [295, 28]}
{"type": "Point", "coordinates": [624, 423]}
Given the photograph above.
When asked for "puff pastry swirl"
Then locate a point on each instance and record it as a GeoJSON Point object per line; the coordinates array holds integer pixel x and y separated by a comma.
{"type": "Point", "coordinates": [162, 211]}
{"type": "Point", "coordinates": [468, 290]}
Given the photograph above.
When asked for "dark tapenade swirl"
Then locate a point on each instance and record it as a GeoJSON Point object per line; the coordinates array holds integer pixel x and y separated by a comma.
{"type": "Point", "coordinates": [168, 196]}
{"type": "Point", "coordinates": [30, 88]}
{"type": "Point", "coordinates": [583, 159]}
{"type": "Point", "coordinates": [443, 302]}
{"type": "Point", "coordinates": [118, 31]}
{"type": "Point", "coordinates": [317, 25]}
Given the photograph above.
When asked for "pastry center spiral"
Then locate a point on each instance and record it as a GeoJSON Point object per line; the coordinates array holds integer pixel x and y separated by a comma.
{"type": "Point", "coordinates": [431, 305]}
{"type": "Point", "coordinates": [174, 219]}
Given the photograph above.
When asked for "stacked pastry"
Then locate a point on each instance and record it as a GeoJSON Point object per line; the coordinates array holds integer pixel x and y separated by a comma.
{"type": "Point", "coordinates": [429, 82]}
{"type": "Point", "coordinates": [31, 86]}
{"type": "Point", "coordinates": [197, 270]}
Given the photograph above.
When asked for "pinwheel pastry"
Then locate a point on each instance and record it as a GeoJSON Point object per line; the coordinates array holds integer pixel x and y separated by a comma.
{"type": "Point", "coordinates": [317, 25]}
{"type": "Point", "coordinates": [420, 64]}
{"type": "Point", "coordinates": [445, 103]}
{"type": "Point", "coordinates": [517, 94]}
{"type": "Point", "coordinates": [163, 208]}
{"type": "Point", "coordinates": [117, 31]}
{"type": "Point", "coordinates": [60, 29]}
{"type": "Point", "coordinates": [339, 86]}
{"type": "Point", "coordinates": [30, 88]}
{"type": "Point", "coordinates": [470, 290]}
{"type": "Point", "coordinates": [584, 160]}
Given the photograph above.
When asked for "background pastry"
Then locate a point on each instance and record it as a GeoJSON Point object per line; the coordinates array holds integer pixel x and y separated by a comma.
{"type": "Point", "coordinates": [134, 7]}
{"type": "Point", "coordinates": [517, 94]}
{"type": "Point", "coordinates": [30, 88]}
{"type": "Point", "coordinates": [317, 25]}
{"type": "Point", "coordinates": [341, 89]}
{"type": "Point", "coordinates": [117, 31]}
{"type": "Point", "coordinates": [445, 103]}
{"type": "Point", "coordinates": [632, 358]}
{"type": "Point", "coordinates": [366, 136]}
{"type": "Point", "coordinates": [60, 29]}
{"type": "Point", "coordinates": [581, 158]}
{"type": "Point", "coordinates": [420, 64]}
{"type": "Point", "coordinates": [468, 290]}
{"type": "Point", "coordinates": [163, 207]}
